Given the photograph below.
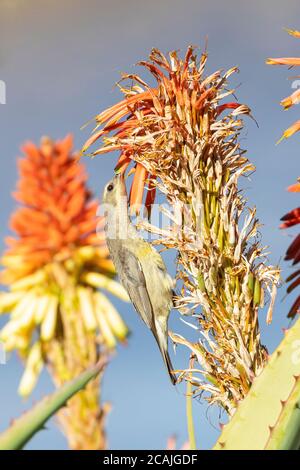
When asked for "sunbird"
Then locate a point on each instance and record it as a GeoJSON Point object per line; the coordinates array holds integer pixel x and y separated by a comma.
{"type": "Point", "coordinates": [140, 267]}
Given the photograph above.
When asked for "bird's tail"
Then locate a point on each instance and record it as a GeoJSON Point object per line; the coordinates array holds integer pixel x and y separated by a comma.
{"type": "Point", "coordinates": [169, 366]}
{"type": "Point", "coordinates": [162, 341]}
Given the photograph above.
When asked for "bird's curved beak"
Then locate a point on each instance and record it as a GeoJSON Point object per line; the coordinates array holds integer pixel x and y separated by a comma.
{"type": "Point", "coordinates": [120, 182]}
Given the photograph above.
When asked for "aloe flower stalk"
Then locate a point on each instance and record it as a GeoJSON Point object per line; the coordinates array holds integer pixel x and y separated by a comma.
{"type": "Point", "coordinates": [182, 137]}
{"type": "Point", "coordinates": [57, 271]}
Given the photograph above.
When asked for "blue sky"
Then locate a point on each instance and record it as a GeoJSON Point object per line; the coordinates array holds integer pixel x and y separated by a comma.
{"type": "Point", "coordinates": [59, 60]}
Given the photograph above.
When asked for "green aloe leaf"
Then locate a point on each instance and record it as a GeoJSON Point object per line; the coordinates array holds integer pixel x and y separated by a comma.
{"type": "Point", "coordinates": [269, 417]}
{"type": "Point", "coordinates": [23, 428]}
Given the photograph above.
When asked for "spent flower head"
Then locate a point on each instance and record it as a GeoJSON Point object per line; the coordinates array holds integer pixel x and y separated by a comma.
{"type": "Point", "coordinates": [182, 135]}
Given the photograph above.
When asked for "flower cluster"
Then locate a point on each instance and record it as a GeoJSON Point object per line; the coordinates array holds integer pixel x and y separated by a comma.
{"type": "Point", "coordinates": [57, 270]}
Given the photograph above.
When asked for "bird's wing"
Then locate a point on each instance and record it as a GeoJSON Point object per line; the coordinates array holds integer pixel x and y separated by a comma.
{"type": "Point", "coordinates": [133, 279]}
{"type": "Point", "coordinates": [162, 270]}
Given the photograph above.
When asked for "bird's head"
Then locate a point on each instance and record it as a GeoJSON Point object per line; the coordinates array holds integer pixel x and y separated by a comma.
{"type": "Point", "coordinates": [115, 191]}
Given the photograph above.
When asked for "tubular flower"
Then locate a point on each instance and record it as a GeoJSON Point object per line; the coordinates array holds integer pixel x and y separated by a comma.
{"type": "Point", "coordinates": [293, 217]}
{"type": "Point", "coordinates": [186, 138]}
{"type": "Point", "coordinates": [293, 252]}
{"type": "Point", "coordinates": [284, 61]}
{"type": "Point", "coordinates": [57, 269]}
{"type": "Point", "coordinates": [295, 96]}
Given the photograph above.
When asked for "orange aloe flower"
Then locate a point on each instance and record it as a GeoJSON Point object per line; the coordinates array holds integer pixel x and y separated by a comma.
{"type": "Point", "coordinates": [146, 110]}
{"type": "Point", "coordinates": [284, 61]}
{"type": "Point", "coordinates": [290, 131]}
{"type": "Point", "coordinates": [293, 217]}
{"type": "Point", "coordinates": [294, 98]}
{"type": "Point", "coordinates": [55, 268]}
{"type": "Point", "coordinates": [57, 215]}
{"type": "Point", "coordinates": [291, 100]}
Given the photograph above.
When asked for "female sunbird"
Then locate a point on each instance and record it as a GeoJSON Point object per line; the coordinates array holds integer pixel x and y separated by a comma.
{"type": "Point", "coordinates": [140, 267]}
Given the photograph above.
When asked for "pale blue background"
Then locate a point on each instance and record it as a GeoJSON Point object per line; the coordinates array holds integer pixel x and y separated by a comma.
{"type": "Point", "coordinates": [59, 60]}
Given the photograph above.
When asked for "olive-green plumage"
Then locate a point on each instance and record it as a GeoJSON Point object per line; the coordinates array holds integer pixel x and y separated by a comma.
{"type": "Point", "coordinates": [140, 267]}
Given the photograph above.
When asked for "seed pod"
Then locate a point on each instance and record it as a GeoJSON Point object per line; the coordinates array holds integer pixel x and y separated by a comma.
{"type": "Point", "coordinates": [251, 282]}
{"type": "Point", "coordinates": [221, 236]}
{"type": "Point", "coordinates": [257, 292]}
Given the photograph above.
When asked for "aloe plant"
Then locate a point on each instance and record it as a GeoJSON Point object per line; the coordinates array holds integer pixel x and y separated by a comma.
{"type": "Point", "coordinates": [269, 417]}
{"type": "Point", "coordinates": [24, 428]}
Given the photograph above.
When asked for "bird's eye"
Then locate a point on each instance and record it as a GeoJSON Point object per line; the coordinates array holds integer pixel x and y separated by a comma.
{"type": "Point", "coordinates": [110, 187]}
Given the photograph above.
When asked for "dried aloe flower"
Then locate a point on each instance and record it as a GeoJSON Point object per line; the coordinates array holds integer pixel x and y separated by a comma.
{"type": "Point", "coordinates": [53, 268]}
{"type": "Point", "coordinates": [184, 134]}
{"type": "Point", "coordinates": [293, 217]}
